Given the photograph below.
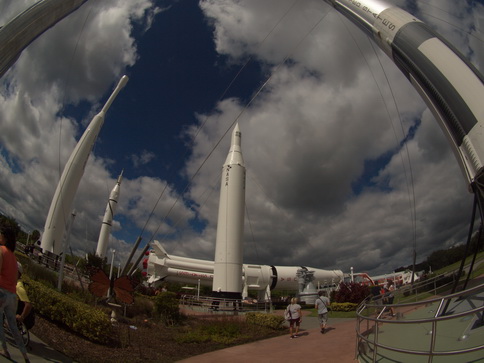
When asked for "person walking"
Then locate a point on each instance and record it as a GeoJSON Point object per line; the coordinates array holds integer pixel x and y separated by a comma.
{"type": "Point", "coordinates": [321, 304]}
{"type": "Point", "coordinates": [390, 296]}
{"type": "Point", "coordinates": [294, 310]}
{"type": "Point", "coordinates": [25, 312]}
{"type": "Point", "coordinates": [8, 283]}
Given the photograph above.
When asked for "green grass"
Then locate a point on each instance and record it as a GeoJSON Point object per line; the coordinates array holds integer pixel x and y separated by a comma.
{"type": "Point", "coordinates": [456, 265]}
{"type": "Point", "coordinates": [442, 290]}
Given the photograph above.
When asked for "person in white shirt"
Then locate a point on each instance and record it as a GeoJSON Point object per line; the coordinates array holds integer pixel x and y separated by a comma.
{"type": "Point", "coordinates": [322, 303]}
{"type": "Point", "coordinates": [296, 317]}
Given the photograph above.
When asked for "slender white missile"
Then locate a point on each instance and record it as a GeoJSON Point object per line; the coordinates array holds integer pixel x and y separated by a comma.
{"type": "Point", "coordinates": [71, 176]}
{"type": "Point", "coordinates": [227, 278]}
{"type": "Point", "coordinates": [102, 243]}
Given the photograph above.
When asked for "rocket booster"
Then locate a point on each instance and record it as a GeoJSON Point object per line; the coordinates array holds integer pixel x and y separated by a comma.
{"type": "Point", "coordinates": [60, 208]}
{"type": "Point", "coordinates": [102, 243]}
{"type": "Point", "coordinates": [228, 246]}
{"type": "Point", "coordinates": [259, 278]}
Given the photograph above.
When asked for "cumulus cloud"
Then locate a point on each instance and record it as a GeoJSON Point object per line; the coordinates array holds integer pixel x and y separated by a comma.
{"type": "Point", "coordinates": [144, 158]}
{"type": "Point", "coordinates": [311, 133]}
{"type": "Point", "coordinates": [345, 164]}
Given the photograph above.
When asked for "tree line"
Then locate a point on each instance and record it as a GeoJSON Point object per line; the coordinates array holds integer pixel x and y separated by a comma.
{"type": "Point", "coordinates": [442, 258]}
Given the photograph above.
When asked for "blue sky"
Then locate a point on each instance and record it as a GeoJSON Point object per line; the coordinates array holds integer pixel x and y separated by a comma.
{"type": "Point", "coordinates": [326, 162]}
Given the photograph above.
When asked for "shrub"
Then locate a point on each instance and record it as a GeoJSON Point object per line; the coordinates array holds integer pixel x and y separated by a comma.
{"type": "Point", "coordinates": [166, 308]}
{"type": "Point", "coordinates": [224, 332]}
{"type": "Point", "coordinates": [350, 292]}
{"type": "Point", "coordinates": [143, 306]}
{"type": "Point", "coordinates": [90, 322]}
{"type": "Point", "coordinates": [266, 320]}
{"type": "Point", "coordinates": [343, 306]}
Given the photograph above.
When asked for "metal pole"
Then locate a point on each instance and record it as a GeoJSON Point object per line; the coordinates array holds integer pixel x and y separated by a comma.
{"type": "Point", "coordinates": [136, 244]}
{"type": "Point", "coordinates": [63, 259]}
{"type": "Point", "coordinates": [133, 268]}
{"type": "Point", "coordinates": [111, 272]}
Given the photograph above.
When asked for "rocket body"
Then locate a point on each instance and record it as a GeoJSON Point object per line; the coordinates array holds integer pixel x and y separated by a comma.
{"type": "Point", "coordinates": [60, 208]}
{"type": "Point", "coordinates": [102, 243]}
{"type": "Point", "coordinates": [450, 85]}
{"type": "Point", "coordinates": [256, 278]}
{"type": "Point", "coordinates": [227, 277]}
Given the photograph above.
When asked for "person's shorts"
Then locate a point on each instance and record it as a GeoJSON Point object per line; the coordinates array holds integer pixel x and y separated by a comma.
{"type": "Point", "coordinates": [323, 318]}
{"type": "Point", "coordinates": [294, 321]}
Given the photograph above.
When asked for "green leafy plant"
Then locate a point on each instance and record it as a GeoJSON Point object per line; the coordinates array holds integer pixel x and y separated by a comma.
{"type": "Point", "coordinates": [88, 321]}
{"type": "Point", "coordinates": [166, 308]}
{"type": "Point", "coordinates": [266, 320]}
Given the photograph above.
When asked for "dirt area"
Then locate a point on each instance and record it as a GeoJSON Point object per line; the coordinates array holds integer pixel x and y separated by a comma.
{"type": "Point", "coordinates": [142, 341]}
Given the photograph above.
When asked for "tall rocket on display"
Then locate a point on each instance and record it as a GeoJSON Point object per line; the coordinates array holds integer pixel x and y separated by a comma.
{"type": "Point", "coordinates": [227, 274]}
{"type": "Point", "coordinates": [61, 206]}
{"type": "Point", "coordinates": [102, 243]}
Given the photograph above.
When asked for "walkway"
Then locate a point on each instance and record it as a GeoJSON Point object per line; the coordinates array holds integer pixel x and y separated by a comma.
{"type": "Point", "coordinates": [336, 345]}
{"type": "Point", "coordinates": [38, 352]}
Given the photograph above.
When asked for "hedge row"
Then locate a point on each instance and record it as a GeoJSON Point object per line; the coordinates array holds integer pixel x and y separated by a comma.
{"type": "Point", "coordinates": [88, 321]}
{"type": "Point", "coordinates": [343, 306]}
{"type": "Point", "coordinates": [267, 320]}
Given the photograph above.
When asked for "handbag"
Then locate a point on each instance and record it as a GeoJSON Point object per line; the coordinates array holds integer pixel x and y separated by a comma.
{"type": "Point", "coordinates": [328, 307]}
{"type": "Point", "coordinates": [287, 314]}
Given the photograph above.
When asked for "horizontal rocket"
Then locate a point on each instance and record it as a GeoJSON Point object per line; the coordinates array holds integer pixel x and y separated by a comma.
{"type": "Point", "coordinates": [260, 278]}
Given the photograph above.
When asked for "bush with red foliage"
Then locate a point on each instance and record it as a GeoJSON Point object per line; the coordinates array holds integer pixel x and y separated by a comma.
{"type": "Point", "coordinates": [350, 292]}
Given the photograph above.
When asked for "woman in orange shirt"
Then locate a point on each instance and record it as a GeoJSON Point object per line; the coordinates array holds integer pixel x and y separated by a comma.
{"type": "Point", "coordinates": [8, 283]}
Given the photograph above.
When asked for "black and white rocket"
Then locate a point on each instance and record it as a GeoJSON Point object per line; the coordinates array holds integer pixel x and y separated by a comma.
{"type": "Point", "coordinates": [227, 275]}
{"type": "Point", "coordinates": [102, 243]}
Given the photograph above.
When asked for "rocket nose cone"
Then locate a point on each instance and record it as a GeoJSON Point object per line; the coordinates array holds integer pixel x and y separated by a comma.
{"type": "Point", "coordinates": [122, 82]}
{"type": "Point", "coordinates": [236, 136]}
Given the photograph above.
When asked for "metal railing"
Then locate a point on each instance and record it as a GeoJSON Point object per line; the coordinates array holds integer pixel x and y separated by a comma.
{"type": "Point", "coordinates": [431, 285]}
{"type": "Point", "coordinates": [370, 320]}
{"type": "Point", "coordinates": [221, 305]}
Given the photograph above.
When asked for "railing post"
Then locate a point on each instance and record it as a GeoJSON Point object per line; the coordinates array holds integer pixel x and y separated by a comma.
{"type": "Point", "coordinates": [375, 341]}
{"type": "Point", "coordinates": [432, 341]}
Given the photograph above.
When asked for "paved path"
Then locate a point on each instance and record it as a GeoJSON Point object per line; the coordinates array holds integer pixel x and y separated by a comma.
{"type": "Point", "coordinates": [336, 345]}
{"type": "Point", "coordinates": [37, 351]}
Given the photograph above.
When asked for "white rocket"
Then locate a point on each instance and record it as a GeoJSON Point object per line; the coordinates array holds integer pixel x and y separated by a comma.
{"type": "Point", "coordinates": [60, 208]}
{"type": "Point", "coordinates": [259, 278]}
{"type": "Point", "coordinates": [102, 243]}
{"type": "Point", "coordinates": [227, 275]}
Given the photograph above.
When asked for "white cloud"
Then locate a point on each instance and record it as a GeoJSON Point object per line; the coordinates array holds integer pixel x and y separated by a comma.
{"type": "Point", "coordinates": [305, 138]}
{"type": "Point", "coordinates": [144, 158]}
